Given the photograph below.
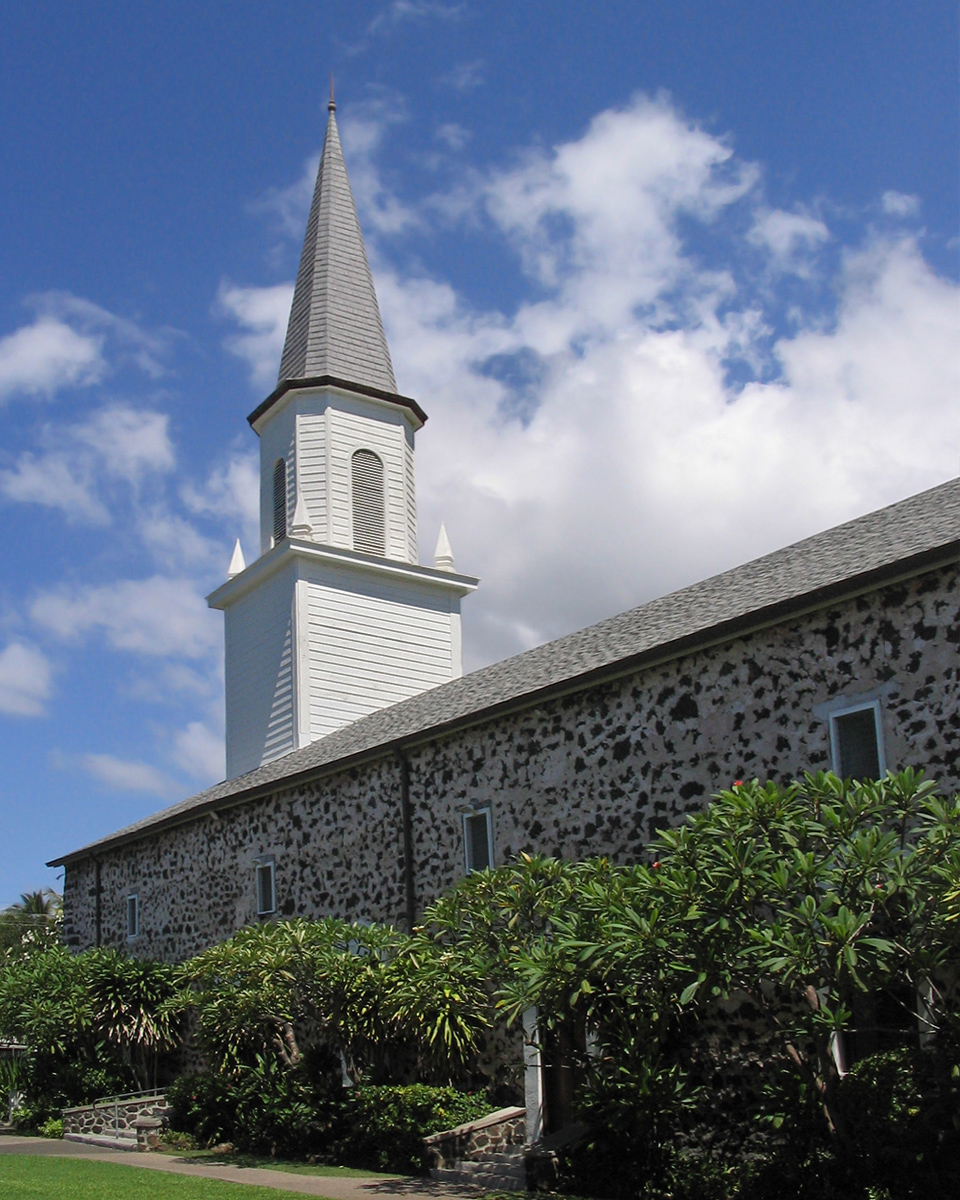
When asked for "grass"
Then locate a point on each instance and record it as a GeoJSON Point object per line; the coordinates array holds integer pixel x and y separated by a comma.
{"type": "Point", "coordinates": [220, 1159]}
{"type": "Point", "coordinates": [28, 1177]}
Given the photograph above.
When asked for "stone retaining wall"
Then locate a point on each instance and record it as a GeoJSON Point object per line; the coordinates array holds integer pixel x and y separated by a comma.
{"type": "Point", "coordinates": [489, 1135]}
{"type": "Point", "coordinates": [113, 1118]}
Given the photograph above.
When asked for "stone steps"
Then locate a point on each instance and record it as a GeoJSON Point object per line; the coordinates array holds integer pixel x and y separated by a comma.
{"type": "Point", "coordinates": [503, 1171]}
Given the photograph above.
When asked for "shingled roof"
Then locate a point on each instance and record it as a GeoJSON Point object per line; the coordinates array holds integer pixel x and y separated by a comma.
{"type": "Point", "coordinates": [893, 542]}
{"type": "Point", "coordinates": [335, 327]}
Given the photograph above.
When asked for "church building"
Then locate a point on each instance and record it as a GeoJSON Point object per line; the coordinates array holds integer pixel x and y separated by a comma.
{"type": "Point", "coordinates": [365, 774]}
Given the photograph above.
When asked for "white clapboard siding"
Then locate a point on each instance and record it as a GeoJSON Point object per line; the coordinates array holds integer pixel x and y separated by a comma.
{"type": "Point", "coordinates": [259, 677]}
{"type": "Point", "coordinates": [411, 498]}
{"type": "Point", "coordinates": [372, 643]}
{"type": "Point", "coordinates": [312, 469]}
{"type": "Point", "coordinates": [276, 441]}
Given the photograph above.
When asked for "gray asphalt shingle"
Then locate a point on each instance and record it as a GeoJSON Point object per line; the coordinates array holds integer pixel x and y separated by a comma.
{"type": "Point", "coordinates": [335, 326]}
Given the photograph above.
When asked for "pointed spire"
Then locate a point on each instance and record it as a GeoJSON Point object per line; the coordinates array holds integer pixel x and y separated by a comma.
{"type": "Point", "coordinates": [237, 563]}
{"type": "Point", "coordinates": [302, 526]}
{"type": "Point", "coordinates": [335, 327]}
{"type": "Point", "coordinates": [443, 555]}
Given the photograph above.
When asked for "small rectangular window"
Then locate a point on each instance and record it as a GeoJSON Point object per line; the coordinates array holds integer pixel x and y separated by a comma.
{"type": "Point", "coordinates": [133, 915]}
{"type": "Point", "coordinates": [478, 840]}
{"type": "Point", "coordinates": [266, 889]}
{"type": "Point", "coordinates": [857, 742]}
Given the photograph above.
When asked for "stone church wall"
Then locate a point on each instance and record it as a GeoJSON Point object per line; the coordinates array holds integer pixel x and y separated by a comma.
{"type": "Point", "coordinates": [594, 772]}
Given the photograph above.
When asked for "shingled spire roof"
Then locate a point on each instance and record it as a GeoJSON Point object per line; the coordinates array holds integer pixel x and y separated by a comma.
{"type": "Point", "coordinates": [335, 327]}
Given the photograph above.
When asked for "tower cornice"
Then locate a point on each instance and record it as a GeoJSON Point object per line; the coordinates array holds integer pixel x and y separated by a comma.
{"type": "Point", "coordinates": [296, 549]}
{"type": "Point", "coordinates": [344, 385]}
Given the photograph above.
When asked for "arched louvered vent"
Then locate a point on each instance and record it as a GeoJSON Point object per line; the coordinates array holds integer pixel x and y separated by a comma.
{"type": "Point", "coordinates": [279, 501]}
{"type": "Point", "coordinates": [367, 479]}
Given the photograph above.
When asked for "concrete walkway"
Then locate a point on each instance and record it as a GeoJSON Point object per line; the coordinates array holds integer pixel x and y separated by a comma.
{"type": "Point", "coordinates": [374, 1187]}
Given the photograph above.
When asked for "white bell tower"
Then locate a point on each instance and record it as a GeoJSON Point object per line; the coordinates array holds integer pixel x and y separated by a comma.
{"type": "Point", "coordinates": [336, 618]}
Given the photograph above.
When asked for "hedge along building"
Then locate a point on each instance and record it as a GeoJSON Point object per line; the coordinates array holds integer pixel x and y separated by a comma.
{"type": "Point", "coordinates": [365, 776]}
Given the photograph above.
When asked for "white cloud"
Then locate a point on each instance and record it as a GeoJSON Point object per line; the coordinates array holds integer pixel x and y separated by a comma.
{"type": "Point", "coordinates": [200, 752]}
{"type": "Point", "coordinates": [130, 343]}
{"type": "Point", "coordinates": [129, 442]}
{"type": "Point", "coordinates": [597, 219]}
{"type": "Point", "coordinates": [453, 136]}
{"type": "Point", "coordinates": [397, 11]}
{"type": "Point", "coordinates": [790, 238]}
{"type": "Point", "coordinates": [898, 204]}
{"type": "Point", "coordinates": [232, 494]}
{"type": "Point", "coordinates": [72, 474]}
{"type": "Point", "coordinates": [47, 356]}
{"type": "Point", "coordinates": [25, 680]}
{"type": "Point", "coordinates": [587, 451]}
{"type": "Point", "coordinates": [263, 314]}
{"type": "Point", "coordinates": [155, 617]}
{"type": "Point", "coordinates": [466, 76]}
{"type": "Point", "coordinates": [123, 775]}
{"type": "Point", "coordinates": [289, 205]}
{"type": "Point", "coordinates": [55, 480]}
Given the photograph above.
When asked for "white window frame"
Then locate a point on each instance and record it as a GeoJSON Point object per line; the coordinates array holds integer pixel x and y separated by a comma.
{"type": "Point", "coordinates": [265, 863]}
{"type": "Point", "coordinates": [861, 706]}
{"type": "Point", "coordinates": [133, 909]}
{"type": "Point", "coordinates": [483, 810]}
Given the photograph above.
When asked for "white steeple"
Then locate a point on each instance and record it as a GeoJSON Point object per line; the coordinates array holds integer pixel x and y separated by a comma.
{"type": "Point", "coordinates": [336, 618]}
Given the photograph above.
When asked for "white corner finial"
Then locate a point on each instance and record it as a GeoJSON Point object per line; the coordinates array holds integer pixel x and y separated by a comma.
{"type": "Point", "coordinates": [237, 563]}
{"type": "Point", "coordinates": [302, 526]}
{"type": "Point", "coordinates": [443, 555]}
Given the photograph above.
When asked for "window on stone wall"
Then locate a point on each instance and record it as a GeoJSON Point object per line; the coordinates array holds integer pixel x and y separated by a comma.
{"type": "Point", "coordinates": [266, 887]}
{"type": "Point", "coordinates": [856, 739]}
{"type": "Point", "coordinates": [478, 839]}
{"type": "Point", "coordinates": [279, 501]}
{"type": "Point", "coordinates": [367, 486]}
{"type": "Point", "coordinates": [133, 915]}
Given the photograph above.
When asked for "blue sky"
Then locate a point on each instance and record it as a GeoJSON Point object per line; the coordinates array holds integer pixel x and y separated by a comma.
{"type": "Point", "coordinates": [676, 283]}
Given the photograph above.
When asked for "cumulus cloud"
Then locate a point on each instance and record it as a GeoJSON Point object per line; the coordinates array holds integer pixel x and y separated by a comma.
{"type": "Point", "coordinates": [789, 237]}
{"type": "Point", "coordinates": [398, 11]}
{"type": "Point", "coordinates": [199, 751]}
{"type": "Point", "coordinates": [123, 775]}
{"type": "Point", "coordinates": [25, 680]}
{"type": "Point", "coordinates": [465, 76]}
{"type": "Point", "coordinates": [80, 460]}
{"type": "Point", "coordinates": [231, 493]}
{"type": "Point", "coordinates": [262, 313]}
{"type": "Point", "coordinates": [588, 449]}
{"type": "Point", "coordinates": [898, 204]}
{"type": "Point", "coordinates": [288, 206]}
{"type": "Point", "coordinates": [46, 356]}
{"type": "Point", "coordinates": [55, 480]}
{"type": "Point", "coordinates": [157, 617]}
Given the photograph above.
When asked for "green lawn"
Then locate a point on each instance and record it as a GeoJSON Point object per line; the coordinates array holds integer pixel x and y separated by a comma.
{"type": "Point", "coordinates": [219, 1159]}
{"type": "Point", "coordinates": [25, 1177]}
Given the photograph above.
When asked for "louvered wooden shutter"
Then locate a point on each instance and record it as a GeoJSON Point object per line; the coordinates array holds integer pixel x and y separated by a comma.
{"type": "Point", "coordinates": [279, 501]}
{"type": "Point", "coordinates": [367, 479]}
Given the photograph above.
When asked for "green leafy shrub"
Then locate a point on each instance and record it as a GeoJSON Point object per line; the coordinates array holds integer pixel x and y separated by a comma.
{"type": "Point", "coordinates": [384, 1127]}
{"type": "Point", "coordinates": [173, 1139]}
{"type": "Point", "coordinates": [902, 1109]}
{"type": "Point", "coordinates": [263, 1108]}
{"type": "Point", "coordinates": [51, 1128]}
